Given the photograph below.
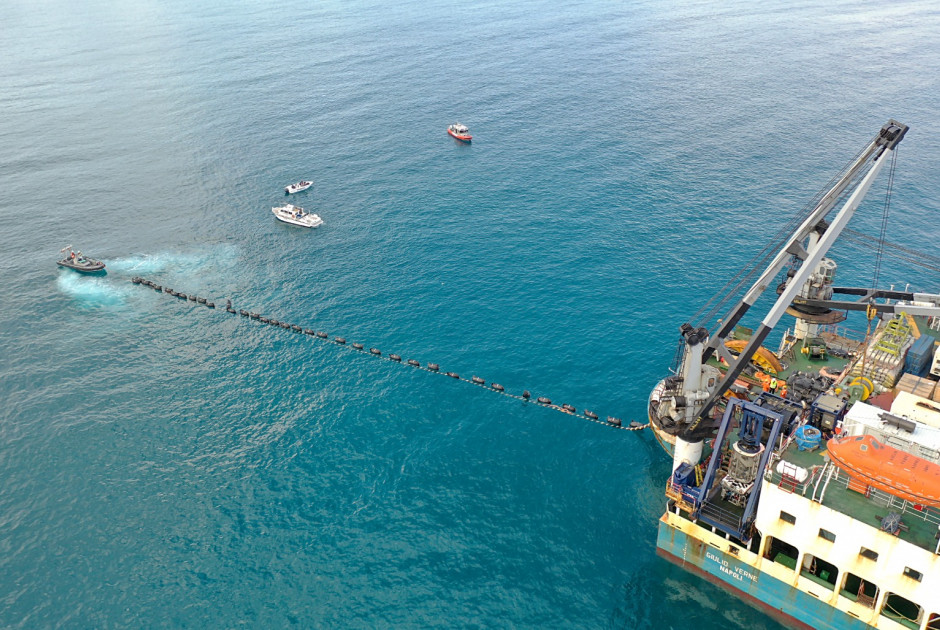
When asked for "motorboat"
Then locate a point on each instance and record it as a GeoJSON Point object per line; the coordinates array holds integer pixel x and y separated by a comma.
{"type": "Point", "coordinates": [79, 262]}
{"type": "Point", "coordinates": [301, 185]}
{"type": "Point", "coordinates": [459, 131]}
{"type": "Point", "coordinates": [294, 215]}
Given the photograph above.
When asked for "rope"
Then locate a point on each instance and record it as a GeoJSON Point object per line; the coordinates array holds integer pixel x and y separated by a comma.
{"type": "Point", "coordinates": [884, 222]}
{"type": "Point", "coordinates": [611, 422]}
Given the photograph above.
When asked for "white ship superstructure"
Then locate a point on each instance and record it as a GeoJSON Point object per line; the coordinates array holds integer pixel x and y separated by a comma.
{"type": "Point", "coordinates": [788, 488]}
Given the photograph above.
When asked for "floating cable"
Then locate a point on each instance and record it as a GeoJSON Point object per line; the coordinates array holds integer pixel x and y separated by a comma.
{"type": "Point", "coordinates": [431, 368]}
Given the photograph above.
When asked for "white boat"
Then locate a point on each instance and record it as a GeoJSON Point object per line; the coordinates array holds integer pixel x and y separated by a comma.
{"type": "Point", "coordinates": [296, 216]}
{"type": "Point", "coordinates": [301, 185]}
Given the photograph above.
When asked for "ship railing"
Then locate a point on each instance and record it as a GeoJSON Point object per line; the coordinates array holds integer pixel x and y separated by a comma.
{"type": "Point", "coordinates": [716, 515]}
{"type": "Point", "coordinates": [843, 331]}
{"type": "Point", "coordinates": [685, 497]}
{"type": "Point", "coordinates": [789, 482]}
{"type": "Point", "coordinates": [912, 514]}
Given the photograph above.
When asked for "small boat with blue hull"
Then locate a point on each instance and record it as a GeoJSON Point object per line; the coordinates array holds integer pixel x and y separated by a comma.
{"type": "Point", "coordinates": [80, 263]}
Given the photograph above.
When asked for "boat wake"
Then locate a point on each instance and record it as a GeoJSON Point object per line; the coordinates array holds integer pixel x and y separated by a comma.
{"type": "Point", "coordinates": [93, 291]}
{"type": "Point", "coordinates": [175, 263]}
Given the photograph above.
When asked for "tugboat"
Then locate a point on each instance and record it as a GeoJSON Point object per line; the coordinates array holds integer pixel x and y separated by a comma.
{"type": "Point", "coordinates": [459, 131]}
{"type": "Point", "coordinates": [297, 216]}
{"type": "Point", "coordinates": [807, 481]}
{"type": "Point", "coordinates": [79, 262]}
{"type": "Point", "coordinates": [301, 185]}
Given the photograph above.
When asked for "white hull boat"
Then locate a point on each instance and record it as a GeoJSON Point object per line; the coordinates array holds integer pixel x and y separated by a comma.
{"type": "Point", "coordinates": [296, 216]}
{"type": "Point", "coordinates": [302, 185]}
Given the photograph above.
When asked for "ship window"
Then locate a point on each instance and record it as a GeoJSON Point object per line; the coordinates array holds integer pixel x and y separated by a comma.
{"type": "Point", "coordinates": [860, 591]}
{"type": "Point", "coordinates": [868, 553]}
{"type": "Point", "coordinates": [825, 534]}
{"type": "Point", "coordinates": [914, 575]}
{"type": "Point", "coordinates": [820, 571]}
{"type": "Point", "coordinates": [787, 517]}
{"type": "Point", "coordinates": [929, 453]}
{"type": "Point", "coordinates": [781, 552]}
{"type": "Point", "coordinates": [901, 610]}
{"type": "Point", "coordinates": [933, 623]}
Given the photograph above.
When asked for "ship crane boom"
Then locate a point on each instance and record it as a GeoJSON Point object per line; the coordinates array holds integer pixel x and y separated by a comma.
{"type": "Point", "coordinates": [872, 158]}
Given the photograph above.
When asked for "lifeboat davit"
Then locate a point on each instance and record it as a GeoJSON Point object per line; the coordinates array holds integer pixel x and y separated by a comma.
{"type": "Point", "coordinates": [896, 472]}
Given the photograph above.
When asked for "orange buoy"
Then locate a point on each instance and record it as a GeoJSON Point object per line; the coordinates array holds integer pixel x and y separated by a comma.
{"type": "Point", "coordinates": [894, 471]}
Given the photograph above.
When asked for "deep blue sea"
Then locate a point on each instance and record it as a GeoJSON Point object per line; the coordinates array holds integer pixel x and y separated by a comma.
{"type": "Point", "coordinates": [165, 465]}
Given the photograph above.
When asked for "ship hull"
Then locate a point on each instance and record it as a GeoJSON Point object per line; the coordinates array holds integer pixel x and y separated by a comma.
{"type": "Point", "coordinates": [787, 604]}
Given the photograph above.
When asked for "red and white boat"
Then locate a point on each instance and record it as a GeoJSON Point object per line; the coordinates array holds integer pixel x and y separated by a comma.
{"type": "Point", "coordinates": [459, 131]}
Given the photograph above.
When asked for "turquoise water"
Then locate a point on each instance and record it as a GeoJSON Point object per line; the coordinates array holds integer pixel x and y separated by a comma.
{"type": "Point", "coordinates": [164, 465]}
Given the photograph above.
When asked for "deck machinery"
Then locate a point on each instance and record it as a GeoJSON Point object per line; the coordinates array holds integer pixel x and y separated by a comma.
{"type": "Point", "coordinates": [742, 490]}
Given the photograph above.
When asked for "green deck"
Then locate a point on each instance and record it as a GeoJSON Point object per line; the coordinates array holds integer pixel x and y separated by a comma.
{"type": "Point", "coordinates": [799, 362]}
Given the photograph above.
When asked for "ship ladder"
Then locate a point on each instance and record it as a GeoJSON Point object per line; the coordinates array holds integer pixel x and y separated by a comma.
{"type": "Point", "coordinates": [788, 480]}
{"type": "Point", "coordinates": [863, 599]}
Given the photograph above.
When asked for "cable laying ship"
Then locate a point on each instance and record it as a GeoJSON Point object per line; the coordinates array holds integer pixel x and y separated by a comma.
{"type": "Point", "coordinates": [807, 480]}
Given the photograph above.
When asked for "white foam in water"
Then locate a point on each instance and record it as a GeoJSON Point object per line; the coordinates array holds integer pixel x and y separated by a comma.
{"type": "Point", "coordinates": [92, 290]}
{"type": "Point", "coordinates": [144, 264]}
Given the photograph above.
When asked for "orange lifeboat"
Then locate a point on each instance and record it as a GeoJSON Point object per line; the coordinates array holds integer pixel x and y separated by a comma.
{"type": "Point", "coordinates": [896, 472]}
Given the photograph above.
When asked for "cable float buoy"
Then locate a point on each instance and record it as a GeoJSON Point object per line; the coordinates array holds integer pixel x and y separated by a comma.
{"type": "Point", "coordinates": [339, 340]}
{"type": "Point", "coordinates": [254, 315]}
{"type": "Point", "coordinates": [243, 312]}
{"type": "Point", "coordinates": [413, 363]}
{"type": "Point", "coordinates": [477, 380]}
{"type": "Point", "coordinates": [526, 394]}
{"type": "Point", "coordinates": [375, 351]}
{"type": "Point", "coordinates": [569, 408]}
{"type": "Point", "coordinates": [497, 387]}
{"type": "Point", "coordinates": [192, 298]}
{"type": "Point", "coordinates": [614, 422]}
{"type": "Point", "coordinates": [182, 296]}
{"type": "Point", "coordinates": [135, 280]}
{"type": "Point", "coordinates": [590, 414]}
{"type": "Point", "coordinates": [452, 374]}
{"type": "Point", "coordinates": [202, 300]}
{"type": "Point", "coordinates": [308, 331]}
{"type": "Point", "coordinates": [434, 367]}
{"type": "Point", "coordinates": [210, 304]}
{"type": "Point", "coordinates": [635, 425]}
{"type": "Point", "coordinates": [395, 357]}
{"type": "Point", "coordinates": [543, 400]}
{"type": "Point", "coordinates": [157, 288]}
{"type": "Point", "coordinates": [296, 328]}
{"type": "Point", "coordinates": [285, 325]}
{"type": "Point", "coordinates": [321, 334]}
{"type": "Point", "coordinates": [264, 320]}
{"type": "Point", "coordinates": [357, 346]}
{"type": "Point", "coordinates": [274, 322]}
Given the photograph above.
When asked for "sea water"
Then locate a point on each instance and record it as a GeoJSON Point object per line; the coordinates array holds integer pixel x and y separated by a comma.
{"type": "Point", "coordinates": [167, 465]}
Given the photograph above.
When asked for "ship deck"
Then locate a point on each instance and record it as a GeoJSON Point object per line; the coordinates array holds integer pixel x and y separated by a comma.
{"type": "Point", "coordinates": [920, 527]}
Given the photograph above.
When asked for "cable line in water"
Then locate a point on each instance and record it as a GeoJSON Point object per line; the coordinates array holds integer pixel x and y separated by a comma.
{"type": "Point", "coordinates": [433, 368]}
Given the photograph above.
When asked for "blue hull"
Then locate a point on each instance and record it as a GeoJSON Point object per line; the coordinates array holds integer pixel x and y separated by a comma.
{"type": "Point", "coordinates": [780, 600]}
